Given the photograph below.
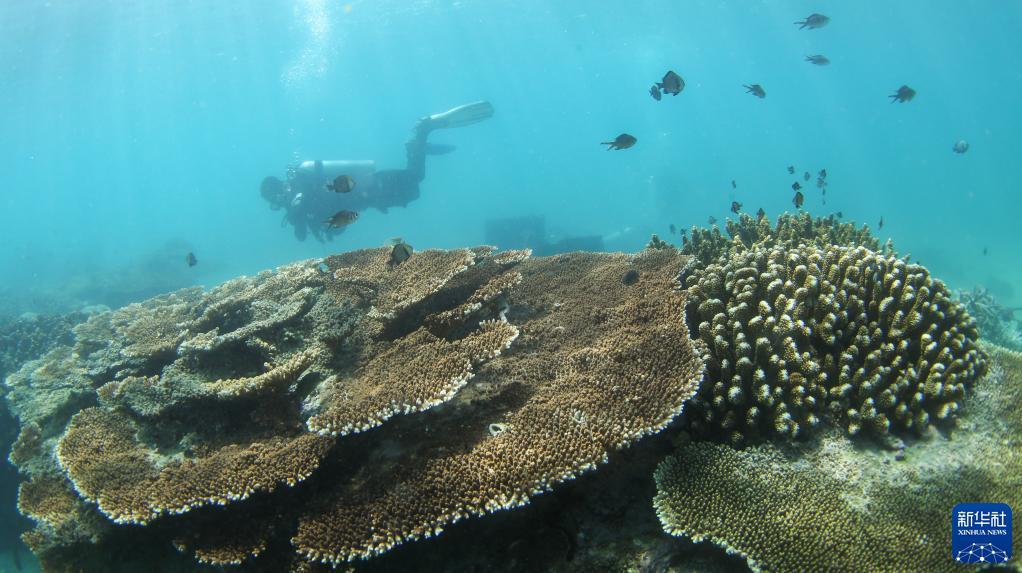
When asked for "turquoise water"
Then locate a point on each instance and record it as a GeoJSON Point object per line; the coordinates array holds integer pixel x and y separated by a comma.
{"type": "Point", "coordinates": [135, 132]}
{"type": "Point", "coordinates": [133, 125]}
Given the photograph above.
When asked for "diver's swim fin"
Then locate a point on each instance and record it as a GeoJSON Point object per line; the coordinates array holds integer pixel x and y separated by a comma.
{"type": "Point", "coordinates": [462, 115]}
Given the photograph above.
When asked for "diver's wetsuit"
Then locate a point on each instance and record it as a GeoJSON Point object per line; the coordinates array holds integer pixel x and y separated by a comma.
{"type": "Point", "coordinates": [309, 203]}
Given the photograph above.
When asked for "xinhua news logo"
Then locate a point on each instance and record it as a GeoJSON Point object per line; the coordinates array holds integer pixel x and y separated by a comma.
{"type": "Point", "coordinates": [981, 533]}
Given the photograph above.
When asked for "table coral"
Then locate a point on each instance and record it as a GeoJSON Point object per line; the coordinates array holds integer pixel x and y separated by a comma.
{"type": "Point", "coordinates": [599, 365]}
{"type": "Point", "coordinates": [829, 505]}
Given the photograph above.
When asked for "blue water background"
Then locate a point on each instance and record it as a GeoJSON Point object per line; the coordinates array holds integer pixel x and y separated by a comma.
{"type": "Point", "coordinates": [131, 125]}
{"type": "Point", "coordinates": [133, 132]}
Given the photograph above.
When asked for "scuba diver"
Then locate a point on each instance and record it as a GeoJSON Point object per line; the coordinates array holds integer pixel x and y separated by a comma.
{"type": "Point", "coordinates": [321, 197]}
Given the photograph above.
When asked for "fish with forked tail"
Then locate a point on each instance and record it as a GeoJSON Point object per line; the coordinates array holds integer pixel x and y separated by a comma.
{"type": "Point", "coordinates": [623, 141]}
{"type": "Point", "coordinates": [756, 90]}
{"type": "Point", "coordinates": [813, 22]}
{"type": "Point", "coordinates": [903, 95]}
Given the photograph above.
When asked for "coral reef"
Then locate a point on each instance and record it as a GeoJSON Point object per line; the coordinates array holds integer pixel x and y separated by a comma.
{"type": "Point", "coordinates": [599, 364]}
{"type": "Point", "coordinates": [336, 410]}
{"type": "Point", "coordinates": [108, 466]}
{"type": "Point", "coordinates": [31, 335]}
{"type": "Point", "coordinates": [283, 401]}
{"type": "Point", "coordinates": [829, 505]}
{"type": "Point", "coordinates": [790, 230]}
{"type": "Point", "coordinates": [797, 334]}
{"type": "Point", "coordinates": [996, 323]}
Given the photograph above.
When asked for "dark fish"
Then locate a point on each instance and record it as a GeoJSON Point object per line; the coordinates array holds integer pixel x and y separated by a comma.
{"type": "Point", "coordinates": [684, 233]}
{"type": "Point", "coordinates": [798, 199]}
{"type": "Point", "coordinates": [823, 174]}
{"type": "Point", "coordinates": [821, 184]}
{"type": "Point", "coordinates": [791, 169]}
{"type": "Point", "coordinates": [903, 95]}
{"type": "Point", "coordinates": [631, 277]}
{"type": "Point", "coordinates": [840, 215]}
{"type": "Point", "coordinates": [796, 186]}
{"type": "Point", "coordinates": [736, 207]}
{"type": "Point", "coordinates": [712, 220]}
{"type": "Point", "coordinates": [756, 90]}
{"type": "Point", "coordinates": [880, 225]}
{"type": "Point", "coordinates": [984, 251]}
{"type": "Point", "coordinates": [961, 147]}
{"type": "Point", "coordinates": [813, 21]}
{"type": "Point", "coordinates": [672, 83]}
{"type": "Point", "coordinates": [342, 184]}
{"type": "Point", "coordinates": [818, 59]}
{"type": "Point", "coordinates": [400, 253]}
{"type": "Point", "coordinates": [733, 184]}
{"type": "Point", "coordinates": [341, 219]}
{"type": "Point", "coordinates": [673, 229]}
{"type": "Point", "coordinates": [655, 92]}
{"type": "Point", "coordinates": [191, 260]}
{"type": "Point", "coordinates": [623, 141]}
{"type": "Point", "coordinates": [760, 213]}
{"type": "Point", "coordinates": [806, 176]}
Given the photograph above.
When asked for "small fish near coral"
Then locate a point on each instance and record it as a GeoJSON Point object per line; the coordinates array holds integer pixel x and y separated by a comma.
{"type": "Point", "coordinates": [813, 22]}
{"type": "Point", "coordinates": [191, 260]}
{"type": "Point", "coordinates": [796, 186]}
{"type": "Point", "coordinates": [654, 92]}
{"type": "Point", "coordinates": [903, 95]}
{"type": "Point", "coordinates": [960, 147]}
{"type": "Point", "coordinates": [798, 199]}
{"type": "Point", "coordinates": [341, 219]}
{"type": "Point", "coordinates": [400, 252]}
{"type": "Point", "coordinates": [623, 141]}
{"type": "Point", "coordinates": [818, 60]}
{"type": "Point", "coordinates": [736, 207]}
{"type": "Point", "coordinates": [760, 213]}
{"type": "Point", "coordinates": [755, 89]}
{"type": "Point", "coordinates": [791, 170]}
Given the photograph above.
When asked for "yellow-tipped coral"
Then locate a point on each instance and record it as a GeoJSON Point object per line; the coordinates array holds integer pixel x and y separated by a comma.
{"type": "Point", "coordinates": [795, 335]}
